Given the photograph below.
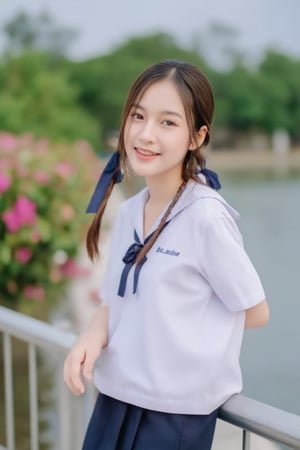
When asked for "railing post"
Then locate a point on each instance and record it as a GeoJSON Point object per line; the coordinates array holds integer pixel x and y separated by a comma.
{"type": "Point", "coordinates": [33, 384]}
{"type": "Point", "coordinates": [9, 395]}
{"type": "Point", "coordinates": [246, 440]}
{"type": "Point", "coordinates": [87, 404]}
{"type": "Point", "coordinates": [65, 412]}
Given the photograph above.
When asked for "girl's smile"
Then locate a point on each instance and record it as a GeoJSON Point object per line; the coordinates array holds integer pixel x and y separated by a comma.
{"type": "Point", "coordinates": [145, 154]}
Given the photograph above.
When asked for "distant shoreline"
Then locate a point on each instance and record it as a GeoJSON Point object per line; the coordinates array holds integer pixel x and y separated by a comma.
{"type": "Point", "coordinates": [243, 160]}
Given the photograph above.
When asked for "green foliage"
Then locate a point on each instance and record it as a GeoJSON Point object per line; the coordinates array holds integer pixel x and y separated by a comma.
{"type": "Point", "coordinates": [36, 95]}
{"type": "Point", "coordinates": [279, 89]}
{"type": "Point", "coordinates": [238, 107]}
{"type": "Point", "coordinates": [267, 98]}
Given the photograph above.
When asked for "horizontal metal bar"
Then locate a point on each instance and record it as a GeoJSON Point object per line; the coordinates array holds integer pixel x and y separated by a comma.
{"type": "Point", "coordinates": [262, 419]}
{"type": "Point", "coordinates": [35, 331]}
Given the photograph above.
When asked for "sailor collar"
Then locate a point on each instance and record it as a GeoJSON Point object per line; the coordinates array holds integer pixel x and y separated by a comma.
{"type": "Point", "coordinates": [192, 192]}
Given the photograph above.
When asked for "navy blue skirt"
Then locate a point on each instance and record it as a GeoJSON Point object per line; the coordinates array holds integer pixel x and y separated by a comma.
{"type": "Point", "coordinates": [116, 425]}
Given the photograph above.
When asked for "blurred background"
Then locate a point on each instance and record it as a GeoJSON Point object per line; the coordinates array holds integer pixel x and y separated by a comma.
{"type": "Point", "coordinates": [65, 70]}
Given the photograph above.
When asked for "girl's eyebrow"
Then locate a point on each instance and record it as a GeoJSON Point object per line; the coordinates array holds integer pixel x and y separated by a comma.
{"type": "Point", "coordinates": [166, 112]}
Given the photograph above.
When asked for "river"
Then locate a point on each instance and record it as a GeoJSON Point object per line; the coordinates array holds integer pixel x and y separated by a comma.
{"type": "Point", "coordinates": [270, 222]}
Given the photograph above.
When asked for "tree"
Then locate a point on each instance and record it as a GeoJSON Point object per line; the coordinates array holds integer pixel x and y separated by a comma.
{"type": "Point", "coordinates": [25, 32]}
{"type": "Point", "coordinates": [279, 90]}
{"type": "Point", "coordinates": [243, 105]}
{"type": "Point", "coordinates": [36, 97]}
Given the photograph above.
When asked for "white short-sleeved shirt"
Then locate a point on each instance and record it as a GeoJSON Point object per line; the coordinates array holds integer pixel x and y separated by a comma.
{"type": "Point", "coordinates": [174, 345]}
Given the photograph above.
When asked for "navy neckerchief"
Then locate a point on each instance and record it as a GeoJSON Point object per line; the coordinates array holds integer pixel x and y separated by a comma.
{"type": "Point", "coordinates": [129, 260]}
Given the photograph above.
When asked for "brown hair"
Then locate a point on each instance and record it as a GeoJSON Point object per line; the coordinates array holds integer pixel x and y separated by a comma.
{"type": "Point", "coordinates": [198, 101]}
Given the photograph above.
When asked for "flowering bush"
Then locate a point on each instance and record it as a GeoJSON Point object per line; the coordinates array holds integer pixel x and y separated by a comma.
{"type": "Point", "coordinates": [44, 189]}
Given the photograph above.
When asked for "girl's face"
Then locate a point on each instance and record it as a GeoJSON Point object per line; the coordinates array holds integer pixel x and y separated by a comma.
{"type": "Point", "coordinates": [156, 134]}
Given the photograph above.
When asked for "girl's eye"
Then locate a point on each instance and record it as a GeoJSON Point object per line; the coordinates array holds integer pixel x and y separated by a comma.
{"type": "Point", "coordinates": [136, 115]}
{"type": "Point", "coordinates": [169, 123]}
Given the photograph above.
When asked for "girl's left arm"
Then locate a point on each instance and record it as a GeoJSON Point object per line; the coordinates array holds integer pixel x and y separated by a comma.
{"type": "Point", "coordinates": [257, 316]}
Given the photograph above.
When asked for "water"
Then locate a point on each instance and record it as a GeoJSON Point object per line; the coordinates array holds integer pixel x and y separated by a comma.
{"type": "Point", "coordinates": [270, 222]}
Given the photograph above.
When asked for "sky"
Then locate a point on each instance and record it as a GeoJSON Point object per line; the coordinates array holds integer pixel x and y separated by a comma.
{"type": "Point", "coordinates": [103, 25]}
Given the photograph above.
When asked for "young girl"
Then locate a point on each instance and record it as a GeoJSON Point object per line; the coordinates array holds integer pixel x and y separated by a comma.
{"type": "Point", "coordinates": [179, 287]}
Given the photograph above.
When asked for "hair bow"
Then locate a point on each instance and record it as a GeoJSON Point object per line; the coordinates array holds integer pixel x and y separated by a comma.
{"type": "Point", "coordinates": [211, 178]}
{"type": "Point", "coordinates": [110, 171]}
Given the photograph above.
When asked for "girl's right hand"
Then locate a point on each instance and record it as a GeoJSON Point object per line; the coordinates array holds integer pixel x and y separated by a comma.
{"type": "Point", "coordinates": [81, 359]}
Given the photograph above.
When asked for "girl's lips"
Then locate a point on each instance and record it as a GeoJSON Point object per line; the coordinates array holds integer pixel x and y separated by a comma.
{"type": "Point", "coordinates": [145, 154]}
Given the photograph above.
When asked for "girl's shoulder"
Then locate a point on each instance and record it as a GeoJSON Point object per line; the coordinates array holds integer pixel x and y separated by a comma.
{"type": "Point", "coordinates": [206, 204]}
{"type": "Point", "coordinates": [213, 215]}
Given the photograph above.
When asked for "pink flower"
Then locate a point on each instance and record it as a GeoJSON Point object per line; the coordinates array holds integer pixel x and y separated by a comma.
{"type": "Point", "coordinates": [41, 177]}
{"type": "Point", "coordinates": [4, 182]}
{"type": "Point", "coordinates": [11, 220]}
{"type": "Point", "coordinates": [71, 269]}
{"type": "Point", "coordinates": [34, 292]}
{"type": "Point", "coordinates": [26, 210]}
{"type": "Point", "coordinates": [23, 213]}
{"type": "Point", "coordinates": [8, 142]}
{"type": "Point", "coordinates": [64, 169]}
{"type": "Point", "coordinates": [23, 254]}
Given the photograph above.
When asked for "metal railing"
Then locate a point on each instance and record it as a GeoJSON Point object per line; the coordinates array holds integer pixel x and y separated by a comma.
{"type": "Point", "coordinates": [249, 415]}
{"type": "Point", "coordinates": [72, 413]}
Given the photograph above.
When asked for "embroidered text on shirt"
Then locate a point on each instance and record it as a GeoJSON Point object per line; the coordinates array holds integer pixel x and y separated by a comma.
{"type": "Point", "coordinates": [167, 252]}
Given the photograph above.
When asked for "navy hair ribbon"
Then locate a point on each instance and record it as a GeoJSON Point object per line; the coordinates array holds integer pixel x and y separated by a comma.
{"type": "Point", "coordinates": [110, 171]}
{"type": "Point", "coordinates": [211, 178]}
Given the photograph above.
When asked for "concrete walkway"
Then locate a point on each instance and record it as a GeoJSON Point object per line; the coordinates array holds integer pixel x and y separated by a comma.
{"type": "Point", "coordinates": [83, 297]}
{"type": "Point", "coordinates": [228, 437]}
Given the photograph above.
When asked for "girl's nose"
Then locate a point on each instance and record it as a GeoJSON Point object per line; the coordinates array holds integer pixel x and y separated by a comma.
{"type": "Point", "coordinates": [148, 132]}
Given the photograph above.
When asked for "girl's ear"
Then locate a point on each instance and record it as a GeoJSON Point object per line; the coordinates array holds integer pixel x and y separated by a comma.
{"type": "Point", "coordinates": [199, 138]}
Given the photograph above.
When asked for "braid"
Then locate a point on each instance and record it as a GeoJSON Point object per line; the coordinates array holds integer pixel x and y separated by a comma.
{"type": "Point", "coordinates": [93, 232]}
{"type": "Point", "coordinates": [144, 250]}
{"type": "Point", "coordinates": [192, 162]}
